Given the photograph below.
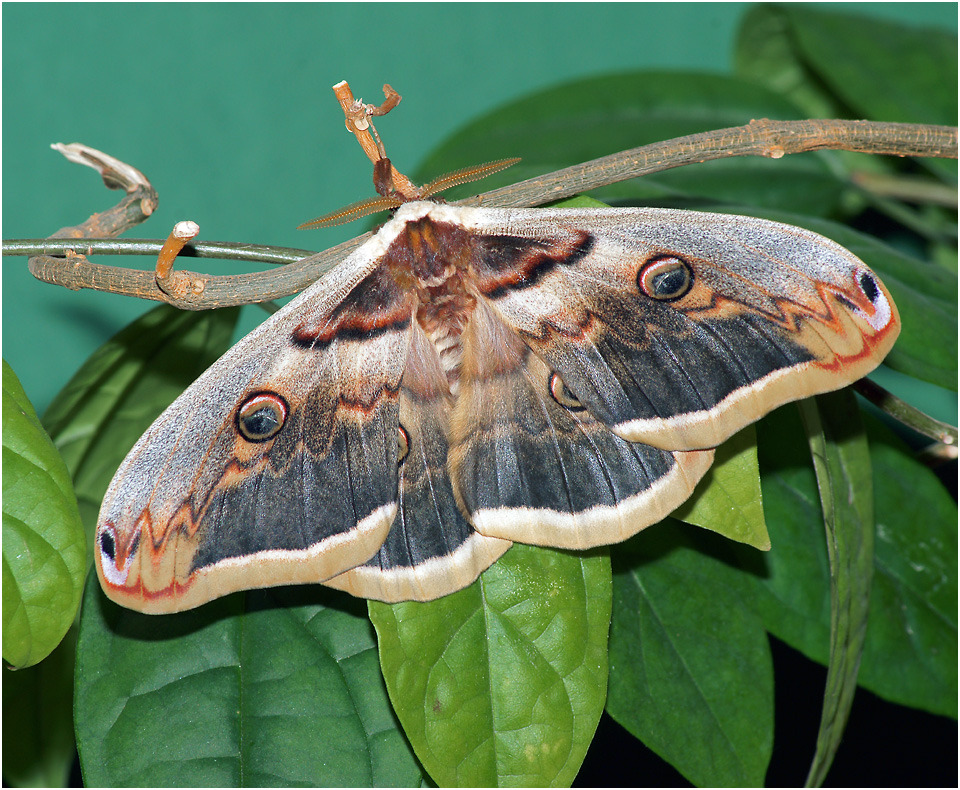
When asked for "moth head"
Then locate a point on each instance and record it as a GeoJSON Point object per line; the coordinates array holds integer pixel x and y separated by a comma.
{"type": "Point", "coordinates": [394, 190]}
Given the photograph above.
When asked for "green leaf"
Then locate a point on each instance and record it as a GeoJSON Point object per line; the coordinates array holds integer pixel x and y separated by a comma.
{"type": "Point", "coordinates": [503, 683]}
{"type": "Point", "coordinates": [766, 53]}
{"type": "Point", "coordinates": [690, 667]}
{"type": "Point", "coordinates": [590, 118]}
{"type": "Point", "coordinates": [841, 460]}
{"type": "Point", "coordinates": [794, 583]}
{"type": "Point", "coordinates": [38, 747]}
{"type": "Point", "coordinates": [851, 66]}
{"type": "Point", "coordinates": [910, 655]}
{"type": "Point", "coordinates": [275, 688]}
{"type": "Point", "coordinates": [883, 70]}
{"type": "Point", "coordinates": [44, 552]}
{"type": "Point", "coordinates": [911, 643]}
{"type": "Point", "coordinates": [728, 500]}
{"type": "Point", "coordinates": [124, 386]}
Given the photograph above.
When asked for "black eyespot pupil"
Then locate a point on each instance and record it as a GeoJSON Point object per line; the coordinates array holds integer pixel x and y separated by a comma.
{"type": "Point", "coordinates": [108, 546]}
{"type": "Point", "coordinates": [261, 422]}
{"type": "Point", "coordinates": [668, 283]}
{"type": "Point", "coordinates": [869, 286]}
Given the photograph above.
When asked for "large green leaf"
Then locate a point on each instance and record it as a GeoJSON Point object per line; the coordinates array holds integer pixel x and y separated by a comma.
{"type": "Point", "coordinates": [122, 388]}
{"type": "Point", "coordinates": [881, 69]}
{"type": "Point", "coordinates": [503, 683]}
{"type": "Point", "coordinates": [38, 746]}
{"type": "Point", "coordinates": [590, 118]}
{"type": "Point", "coordinates": [910, 654]}
{"type": "Point", "coordinates": [728, 500]}
{"type": "Point", "coordinates": [766, 53]}
{"type": "Point", "coordinates": [911, 643]}
{"type": "Point", "coordinates": [841, 460]}
{"type": "Point", "coordinates": [690, 667]}
{"type": "Point", "coordinates": [44, 551]}
{"type": "Point", "coordinates": [794, 582]}
{"type": "Point", "coordinates": [852, 66]}
{"type": "Point", "coordinates": [275, 688]}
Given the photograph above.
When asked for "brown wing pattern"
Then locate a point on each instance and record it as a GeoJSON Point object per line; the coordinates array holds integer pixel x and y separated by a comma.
{"type": "Point", "coordinates": [679, 328]}
{"type": "Point", "coordinates": [277, 466]}
{"type": "Point", "coordinates": [474, 377]}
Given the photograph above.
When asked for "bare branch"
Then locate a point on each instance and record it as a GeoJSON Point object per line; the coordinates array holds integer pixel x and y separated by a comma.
{"type": "Point", "coordinates": [357, 118]}
{"type": "Point", "coordinates": [205, 292]}
{"type": "Point", "coordinates": [223, 250]}
{"type": "Point", "coordinates": [758, 138]}
{"type": "Point", "coordinates": [772, 139]}
{"type": "Point", "coordinates": [138, 204]}
{"type": "Point", "coordinates": [168, 280]}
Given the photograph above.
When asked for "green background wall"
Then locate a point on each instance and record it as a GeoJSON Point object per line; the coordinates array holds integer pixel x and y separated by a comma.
{"type": "Point", "coordinates": [228, 110]}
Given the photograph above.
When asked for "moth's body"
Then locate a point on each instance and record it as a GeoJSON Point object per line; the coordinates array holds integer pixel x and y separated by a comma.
{"type": "Point", "coordinates": [432, 262]}
{"type": "Point", "coordinates": [472, 377]}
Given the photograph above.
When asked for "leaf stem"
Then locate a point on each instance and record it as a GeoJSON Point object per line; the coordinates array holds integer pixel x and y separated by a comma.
{"type": "Point", "coordinates": [909, 188]}
{"type": "Point", "coordinates": [910, 416]}
{"type": "Point", "coordinates": [841, 460]}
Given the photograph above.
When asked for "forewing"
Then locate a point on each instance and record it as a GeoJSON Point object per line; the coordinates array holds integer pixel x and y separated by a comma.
{"type": "Point", "coordinates": [679, 328]}
{"type": "Point", "coordinates": [278, 465]}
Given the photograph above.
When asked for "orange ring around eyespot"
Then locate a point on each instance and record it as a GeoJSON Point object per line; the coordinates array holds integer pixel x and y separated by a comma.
{"type": "Point", "coordinates": [255, 405]}
{"type": "Point", "coordinates": [660, 272]}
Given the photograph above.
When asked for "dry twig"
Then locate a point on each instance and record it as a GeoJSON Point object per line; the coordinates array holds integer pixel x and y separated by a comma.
{"type": "Point", "coordinates": [194, 291]}
{"type": "Point", "coordinates": [758, 138]}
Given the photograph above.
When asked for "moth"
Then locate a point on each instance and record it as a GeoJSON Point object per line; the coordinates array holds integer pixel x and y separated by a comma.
{"type": "Point", "coordinates": [471, 377]}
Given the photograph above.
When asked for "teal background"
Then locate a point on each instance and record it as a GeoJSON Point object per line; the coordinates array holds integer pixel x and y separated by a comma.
{"type": "Point", "coordinates": [228, 110]}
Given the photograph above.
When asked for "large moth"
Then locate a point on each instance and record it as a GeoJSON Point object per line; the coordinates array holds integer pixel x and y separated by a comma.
{"type": "Point", "coordinates": [472, 377]}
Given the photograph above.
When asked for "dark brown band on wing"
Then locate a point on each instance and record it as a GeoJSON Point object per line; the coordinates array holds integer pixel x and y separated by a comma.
{"type": "Point", "coordinates": [505, 263]}
{"type": "Point", "coordinates": [378, 304]}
